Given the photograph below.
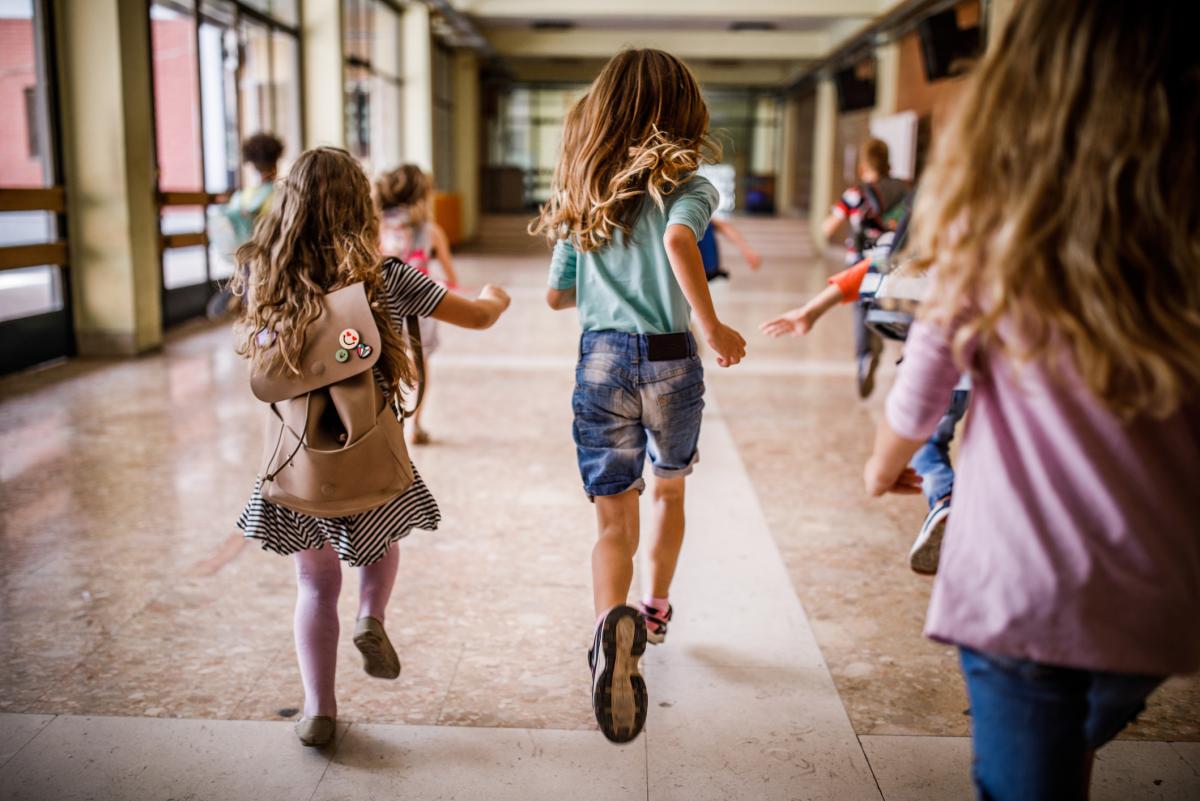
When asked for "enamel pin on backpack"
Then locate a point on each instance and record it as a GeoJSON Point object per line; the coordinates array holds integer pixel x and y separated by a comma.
{"type": "Point", "coordinates": [334, 444]}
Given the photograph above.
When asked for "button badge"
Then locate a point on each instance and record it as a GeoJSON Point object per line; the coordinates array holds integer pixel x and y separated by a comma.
{"type": "Point", "coordinates": [349, 338]}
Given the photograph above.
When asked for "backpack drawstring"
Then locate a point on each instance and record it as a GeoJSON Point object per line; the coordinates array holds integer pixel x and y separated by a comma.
{"type": "Point", "coordinates": [270, 476]}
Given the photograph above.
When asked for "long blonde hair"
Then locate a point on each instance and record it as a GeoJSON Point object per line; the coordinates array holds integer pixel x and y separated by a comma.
{"type": "Point", "coordinates": [1063, 205]}
{"type": "Point", "coordinates": [639, 132]}
{"type": "Point", "coordinates": [322, 233]}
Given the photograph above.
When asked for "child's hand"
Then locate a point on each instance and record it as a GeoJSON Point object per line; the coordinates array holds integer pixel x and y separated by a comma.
{"type": "Point", "coordinates": [728, 344]}
{"type": "Point", "coordinates": [796, 322]}
{"type": "Point", "coordinates": [907, 483]}
{"type": "Point", "coordinates": [754, 260]}
{"type": "Point", "coordinates": [496, 294]}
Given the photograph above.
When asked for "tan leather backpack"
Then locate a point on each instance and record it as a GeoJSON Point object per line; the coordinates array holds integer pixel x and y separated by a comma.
{"type": "Point", "coordinates": [334, 445]}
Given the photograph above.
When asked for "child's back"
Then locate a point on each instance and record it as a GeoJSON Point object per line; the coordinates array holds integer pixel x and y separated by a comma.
{"type": "Point", "coordinates": [625, 213]}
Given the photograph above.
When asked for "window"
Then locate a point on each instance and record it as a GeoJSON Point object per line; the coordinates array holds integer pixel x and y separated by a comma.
{"type": "Point", "coordinates": [223, 71]}
{"type": "Point", "coordinates": [373, 86]}
{"type": "Point", "coordinates": [35, 322]}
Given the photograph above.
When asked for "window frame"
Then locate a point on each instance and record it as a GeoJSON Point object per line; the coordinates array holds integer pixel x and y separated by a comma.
{"type": "Point", "coordinates": [352, 63]}
{"type": "Point", "coordinates": [183, 303]}
{"type": "Point", "coordinates": [41, 337]}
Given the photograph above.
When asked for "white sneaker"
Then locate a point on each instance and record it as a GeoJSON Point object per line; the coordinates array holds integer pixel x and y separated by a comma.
{"type": "Point", "coordinates": [923, 557]}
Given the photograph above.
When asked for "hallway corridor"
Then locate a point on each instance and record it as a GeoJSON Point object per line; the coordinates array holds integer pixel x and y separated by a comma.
{"type": "Point", "coordinates": [146, 651]}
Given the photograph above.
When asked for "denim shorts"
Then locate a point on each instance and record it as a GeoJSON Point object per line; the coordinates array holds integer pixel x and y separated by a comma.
{"type": "Point", "coordinates": [627, 407]}
{"type": "Point", "coordinates": [1032, 724]}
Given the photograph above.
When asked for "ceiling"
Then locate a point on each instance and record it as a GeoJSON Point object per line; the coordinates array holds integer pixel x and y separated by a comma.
{"type": "Point", "coordinates": [744, 42]}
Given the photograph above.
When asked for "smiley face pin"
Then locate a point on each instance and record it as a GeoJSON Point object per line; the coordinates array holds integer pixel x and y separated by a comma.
{"type": "Point", "coordinates": [364, 350]}
{"type": "Point", "coordinates": [349, 339]}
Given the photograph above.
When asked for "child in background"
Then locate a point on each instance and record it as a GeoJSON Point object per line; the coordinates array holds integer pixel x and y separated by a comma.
{"type": "Point", "coordinates": [721, 177]}
{"type": "Point", "coordinates": [626, 211]}
{"type": "Point", "coordinates": [1061, 220]}
{"type": "Point", "coordinates": [321, 234]}
{"type": "Point", "coordinates": [407, 233]}
{"type": "Point", "coordinates": [932, 461]}
{"type": "Point", "coordinates": [235, 220]}
{"type": "Point", "coordinates": [871, 207]}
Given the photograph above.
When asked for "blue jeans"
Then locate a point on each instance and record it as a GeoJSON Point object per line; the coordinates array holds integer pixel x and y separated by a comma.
{"type": "Point", "coordinates": [627, 407]}
{"type": "Point", "coordinates": [1034, 725]}
{"type": "Point", "coordinates": [932, 461]}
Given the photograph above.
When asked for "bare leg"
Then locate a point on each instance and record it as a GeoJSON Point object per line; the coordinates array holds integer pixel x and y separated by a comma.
{"type": "Point", "coordinates": [663, 555]}
{"type": "Point", "coordinates": [375, 582]}
{"type": "Point", "coordinates": [612, 558]}
{"type": "Point", "coordinates": [318, 583]}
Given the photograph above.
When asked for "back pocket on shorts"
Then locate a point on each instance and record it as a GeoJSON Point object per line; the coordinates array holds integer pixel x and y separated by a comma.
{"type": "Point", "coordinates": [683, 399]}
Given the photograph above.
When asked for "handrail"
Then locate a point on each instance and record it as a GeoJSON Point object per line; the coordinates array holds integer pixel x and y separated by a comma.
{"type": "Point", "coordinates": [186, 198]}
{"type": "Point", "coordinates": [169, 241]}
{"type": "Point", "coordinates": [47, 198]}
{"type": "Point", "coordinates": [16, 257]}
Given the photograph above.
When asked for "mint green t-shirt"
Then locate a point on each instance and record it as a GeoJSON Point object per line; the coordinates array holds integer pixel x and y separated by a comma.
{"type": "Point", "coordinates": [628, 285]}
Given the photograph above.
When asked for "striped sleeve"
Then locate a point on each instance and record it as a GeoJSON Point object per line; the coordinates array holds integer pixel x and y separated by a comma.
{"type": "Point", "coordinates": [410, 293]}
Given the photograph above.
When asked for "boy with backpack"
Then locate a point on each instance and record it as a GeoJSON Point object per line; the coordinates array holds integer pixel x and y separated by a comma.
{"type": "Point", "coordinates": [872, 207]}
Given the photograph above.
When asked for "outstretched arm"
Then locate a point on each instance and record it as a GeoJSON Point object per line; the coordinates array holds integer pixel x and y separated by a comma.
{"type": "Point", "coordinates": [730, 232]}
{"type": "Point", "coordinates": [480, 313]}
{"type": "Point", "coordinates": [799, 322]}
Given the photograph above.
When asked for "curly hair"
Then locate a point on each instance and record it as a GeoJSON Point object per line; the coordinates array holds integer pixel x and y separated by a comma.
{"type": "Point", "coordinates": [407, 187]}
{"type": "Point", "coordinates": [639, 132]}
{"type": "Point", "coordinates": [1061, 209]}
{"type": "Point", "coordinates": [321, 234]}
{"type": "Point", "coordinates": [262, 150]}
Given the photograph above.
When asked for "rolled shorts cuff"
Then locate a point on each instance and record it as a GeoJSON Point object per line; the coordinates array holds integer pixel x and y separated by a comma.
{"type": "Point", "coordinates": [609, 489]}
{"type": "Point", "coordinates": [677, 472]}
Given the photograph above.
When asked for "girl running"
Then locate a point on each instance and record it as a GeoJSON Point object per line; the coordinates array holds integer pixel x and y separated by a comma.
{"type": "Point", "coordinates": [1061, 219]}
{"type": "Point", "coordinates": [407, 233]}
{"type": "Point", "coordinates": [322, 233]}
{"type": "Point", "coordinates": [626, 211]}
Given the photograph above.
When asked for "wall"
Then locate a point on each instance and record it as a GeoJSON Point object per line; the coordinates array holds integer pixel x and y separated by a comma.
{"type": "Point", "coordinates": [933, 102]}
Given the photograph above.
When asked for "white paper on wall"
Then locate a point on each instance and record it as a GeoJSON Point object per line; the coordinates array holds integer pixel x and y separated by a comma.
{"type": "Point", "coordinates": [900, 132]}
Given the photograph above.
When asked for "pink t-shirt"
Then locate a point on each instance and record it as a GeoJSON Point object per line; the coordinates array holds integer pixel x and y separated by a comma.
{"type": "Point", "coordinates": [1074, 538]}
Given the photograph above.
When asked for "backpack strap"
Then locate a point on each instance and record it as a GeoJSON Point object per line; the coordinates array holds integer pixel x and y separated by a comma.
{"type": "Point", "coordinates": [413, 324]}
{"type": "Point", "coordinates": [873, 200]}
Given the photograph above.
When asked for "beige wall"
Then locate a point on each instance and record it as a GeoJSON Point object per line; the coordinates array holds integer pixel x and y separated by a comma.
{"type": "Point", "coordinates": [468, 115]}
{"type": "Point", "coordinates": [108, 149]}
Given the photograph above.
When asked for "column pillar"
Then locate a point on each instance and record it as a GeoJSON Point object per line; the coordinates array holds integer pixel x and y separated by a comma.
{"type": "Point", "coordinates": [789, 145]}
{"type": "Point", "coordinates": [467, 116]}
{"type": "Point", "coordinates": [824, 135]}
{"type": "Point", "coordinates": [324, 81]}
{"type": "Point", "coordinates": [998, 12]}
{"type": "Point", "coordinates": [417, 52]}
{"type": "Point", "coordinates": [108, 150]}
{"type": "Point", "coordinates": [887, 76]}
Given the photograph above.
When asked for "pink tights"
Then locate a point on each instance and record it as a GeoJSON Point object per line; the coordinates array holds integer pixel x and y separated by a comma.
{"type": "Point", "coordinates": [318, 584]}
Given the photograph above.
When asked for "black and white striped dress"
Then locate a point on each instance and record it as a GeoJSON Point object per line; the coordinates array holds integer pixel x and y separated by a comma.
{"type": "Point", "coordinates": [362, 538]}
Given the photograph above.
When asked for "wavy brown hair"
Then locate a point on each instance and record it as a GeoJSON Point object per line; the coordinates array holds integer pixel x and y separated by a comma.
{"type": "Point", "coordinates": [639, 132]}
{"type": "Point", "coordinates": [1062, 208]}
{"type": "Point", "coordinates": [407, 187]}
{"type": "Point", "coordinates": [321, 234]}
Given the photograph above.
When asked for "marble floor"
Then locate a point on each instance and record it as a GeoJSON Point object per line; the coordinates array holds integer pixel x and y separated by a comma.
{"type": "Point", "coordinates": [145, 648]}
